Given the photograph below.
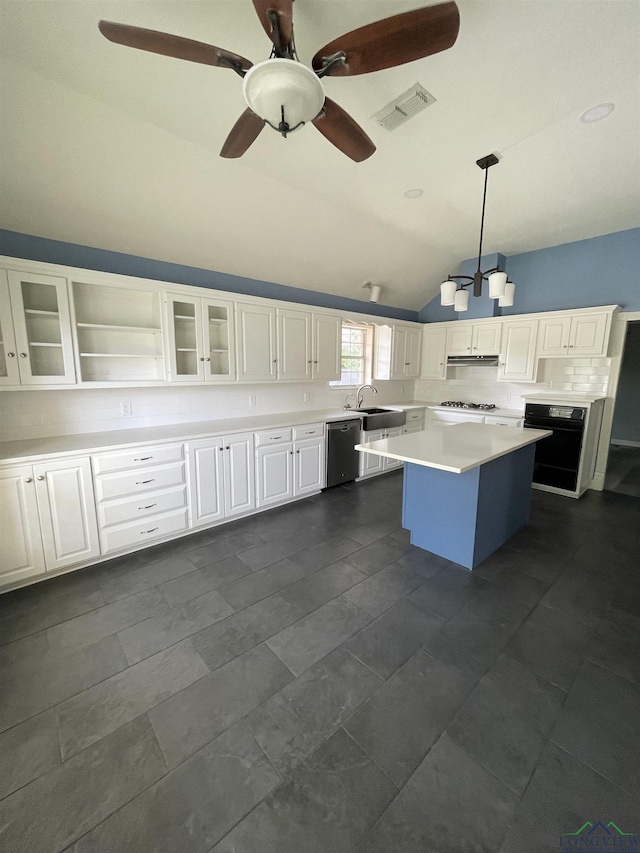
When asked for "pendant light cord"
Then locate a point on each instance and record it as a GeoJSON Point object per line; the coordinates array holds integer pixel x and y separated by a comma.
{"type": "Point", "coordinates": [484, 199]}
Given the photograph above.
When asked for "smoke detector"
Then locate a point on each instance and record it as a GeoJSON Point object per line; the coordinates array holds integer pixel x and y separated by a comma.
{"type": "Point", "coordinates": [406, 106]}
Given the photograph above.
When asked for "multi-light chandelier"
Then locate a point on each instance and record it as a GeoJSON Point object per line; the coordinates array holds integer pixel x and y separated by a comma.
{"type": "Point", "coordinates": [452, 290]}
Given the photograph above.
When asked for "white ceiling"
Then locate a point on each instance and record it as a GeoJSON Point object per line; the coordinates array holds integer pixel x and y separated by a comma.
{"type": "Point", "coordinates": [116, 148]}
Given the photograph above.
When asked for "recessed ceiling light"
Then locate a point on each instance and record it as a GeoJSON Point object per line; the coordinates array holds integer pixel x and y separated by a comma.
{"type": "Point", "coordinates": [596, 113]}
{"type": "Point", "coordinates": [414, 193]}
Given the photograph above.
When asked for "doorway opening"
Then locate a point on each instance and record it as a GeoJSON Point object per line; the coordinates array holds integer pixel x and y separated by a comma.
{"type": "Point", "coordinates": [623, 466]}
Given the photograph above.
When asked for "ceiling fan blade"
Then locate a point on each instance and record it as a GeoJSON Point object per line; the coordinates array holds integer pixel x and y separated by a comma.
{"type": "Point", "coordinates": [170, 45]}
{"type": "Point", "coordinates": [339, 128]}
{"type": "Point", "coordinates": [284, 10]}
{"type": "Point", "coordinates": [243, 133]}
{"type": "Point", "coordinates": [393, 41]}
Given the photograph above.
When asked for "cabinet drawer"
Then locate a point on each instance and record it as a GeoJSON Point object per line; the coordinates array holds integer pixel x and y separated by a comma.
{"type": "Point", "coordinates": [140, 532]}
{"type": "Point", "coordinates": [415, 417]}
{"type": "Point", "coordinates": [273, 436]}
{"type": "Point", "coordinates": [136, 482]}
{"type": "Point", "coordinates": [308, 431]}
{"type": "Point", "coordinates": [138, 457]}
{"type": "Point", "coordinates": [513, 422]}
{"type": "Point", "coordinates": [127, 509]}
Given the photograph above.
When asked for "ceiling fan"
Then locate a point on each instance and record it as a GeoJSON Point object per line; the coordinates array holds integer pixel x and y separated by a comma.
{"type": "Point", "coordinates": [284, 93]}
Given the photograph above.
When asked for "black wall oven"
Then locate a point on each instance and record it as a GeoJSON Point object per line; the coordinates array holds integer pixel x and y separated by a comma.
{"type": "Point", "coordinates": [557, 460]}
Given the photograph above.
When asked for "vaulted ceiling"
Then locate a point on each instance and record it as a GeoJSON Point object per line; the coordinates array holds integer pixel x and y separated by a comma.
{"type": "Point", "coordinates": [116, 148]}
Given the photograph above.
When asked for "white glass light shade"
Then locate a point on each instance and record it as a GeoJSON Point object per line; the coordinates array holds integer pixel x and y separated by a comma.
{"type": "Point", "coordinates": [507, 300]}
{"type": "Point", "coordinates": [497, 282]}
{"type": "Point", "coordinates": [276, 83]}
{"type": "Point", "coordinates": [461, 302]}
{"type": "Point", "coordinates": [447, 292]}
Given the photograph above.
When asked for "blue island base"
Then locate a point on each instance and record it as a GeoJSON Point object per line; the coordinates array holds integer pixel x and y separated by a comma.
{"type": "Point", "coordinates": [466, 517]}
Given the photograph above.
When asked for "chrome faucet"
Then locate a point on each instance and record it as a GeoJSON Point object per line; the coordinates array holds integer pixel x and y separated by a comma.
{"type": "Point", "coordinates": [360, 398]}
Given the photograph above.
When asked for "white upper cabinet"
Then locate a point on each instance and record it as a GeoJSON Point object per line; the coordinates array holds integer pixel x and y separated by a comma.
{"type": "Point", "coordinates": [518, 352]}
{"type": "Point", "coordinates": [326, 347]}
{"type": "Point", "coordinates": [434, 357]}
{"type": "Point", "coordinates": [118, 332]}
{"type": "Point", "coordinates": [397, 352]}
{"type": "Point", "coordinates": [42, 326]}
{"type": "Point", "coordinates": [256, 342]}
{"type": "Point", "coordinates": [459, 337]}
{"type": "Point", "coordinates": [9, 372]}
{"type": "Point", "coordinates": [294, 345]}
{"type": "Point", "coordinates": [201, 339]}
{"type": "Point", "coordinates": [486, 338]}
{"type": "Point", "coordinates": [574, 334]}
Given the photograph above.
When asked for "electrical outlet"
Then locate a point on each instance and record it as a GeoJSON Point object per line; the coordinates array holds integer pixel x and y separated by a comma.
{"type": "Point", "coordinates": [305, 397]}
{"type": "Point", "coordinates": [252, 399]}
{"type": "Point", "coordinates": [402, 390]}
{"type": "Point", "coordinates": [126, 410]}
{"type": "Point", "coordinates": [508, 396]}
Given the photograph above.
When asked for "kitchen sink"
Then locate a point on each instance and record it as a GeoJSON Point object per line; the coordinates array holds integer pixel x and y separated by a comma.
{"type": "Point", "coordinates": [376, 418]}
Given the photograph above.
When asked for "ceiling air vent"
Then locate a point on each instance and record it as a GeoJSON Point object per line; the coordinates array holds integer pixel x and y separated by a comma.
{"type": "Point", "coordinates": [405, 107]}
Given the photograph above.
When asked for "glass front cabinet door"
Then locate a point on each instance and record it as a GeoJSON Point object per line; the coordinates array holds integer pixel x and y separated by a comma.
{"type": "Point", "coordinates": [201, 339]}
{"type": "Point", "coordinates": [39, 310]}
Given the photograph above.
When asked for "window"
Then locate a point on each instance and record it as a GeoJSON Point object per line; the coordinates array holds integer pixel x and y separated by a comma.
{"type": "Point", "coordinates": [356, 355]}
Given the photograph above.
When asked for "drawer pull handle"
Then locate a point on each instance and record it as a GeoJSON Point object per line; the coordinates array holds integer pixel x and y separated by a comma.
{"type": "Point", "coordinates": [146, 507]}
{"type": "Point", "coordinates": [144, 482]}
{"type": "Point", "coordinates": [142, 532]}
{"type": "Point", "coordinates": [310, 432]}
{"type": "Point", "coordinates": [275, 437]}
{"type": "Point", "coordinates": [142, 458]}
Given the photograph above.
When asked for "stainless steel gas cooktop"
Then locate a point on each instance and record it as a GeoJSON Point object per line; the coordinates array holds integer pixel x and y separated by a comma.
{"type": "Point", "coordinates": [460, 405]}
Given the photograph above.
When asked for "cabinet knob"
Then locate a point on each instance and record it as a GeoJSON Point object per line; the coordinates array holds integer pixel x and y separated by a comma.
{"type": "Point", "coordinates": [221, 448]}
{"type": "Point", "coordinates": [228, 447]}
{"type": "Point", "coordinates": [316, 361]}
{"type": "Point", "coordinates": [297, 451]}
{"type": "Point", "coordinates": [11, 355]}
{"type": "Point", "coordinates": [275, 360]}
{"type": "Point", "coordinates": [28, 480]}
{"type": "Point", "coordinates": [40, 477]}
{"type": "Point", "coordinates": [201, 358]}
{"type": "Point", "coordinates": [23, 355]}
{"type": "Point", "coordinates": [207, 359]}
{"type": "Point", "coordinates": [570, 346]}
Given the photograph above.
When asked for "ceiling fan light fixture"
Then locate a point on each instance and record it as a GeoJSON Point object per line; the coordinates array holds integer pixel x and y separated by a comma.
{"type": "Point", "coordinates": [283, 93]}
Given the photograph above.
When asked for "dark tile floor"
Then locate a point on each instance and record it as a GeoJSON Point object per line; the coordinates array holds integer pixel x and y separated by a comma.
{"type": "Point", "coordinates": [305, 680]}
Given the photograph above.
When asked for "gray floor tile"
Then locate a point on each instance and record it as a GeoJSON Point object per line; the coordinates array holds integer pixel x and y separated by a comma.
{"type": "Point", "coordinates": [506, 721]}
{"type": "Point", "coordinates": [53, 811]}
{"type": "Point", "coordinates": [17, 656]}
{"type": "Point", "coordinates": [366, 534]}
{"type": "Point", "coordinates": [426, 564]}
{"type": "Point", "coordinates": [192, 807]}
{"type": "Point", "coordinates": [47, 612]}
{"type": "Point", "coordinates": [151, 636]}
{"type": "Point", "coordinates": [317, 589]}
{"type": "Point", "coordinates": [271, 552]}
{"type": "Point", "coordinates": [513, 593]}
{"type": "Point", "coordinates": [223, 548]}
{"type": "Point", "coordinates": [302, 644]}
{"type": "Point", "coordinates": [182, 589]}
{"type": "Point", "coordinates": [380, 591]}
{"type": "Point", "coordinates": [562, 796]}
{"type": "Point", "coordinates": [449, 591]}
{"type": "Point", "coordinates": [258, 585]}
{"type": "Point", "coordinates": [107, 620]}
{"type": "Point", "coordinates": [551, 645]}
{"type": "Point", "coordinates": [199, 713]}
{"type": "Point", "coordinates": [242, 631]}
{"type": "Point", "coordinates": [600, 725]}
{"type": "Point", "coordinates": [450, 804]}
{"type": "Point", "coordinates": [327, 805]}
{"type": "Point", "coordinates": [27, 751]}
{"type": "Point", "coordinates": [376, 556]}
{"type": "Point", "coordinates": [325, 553]}
{"type": "Point", "coordinates": [405, 717]}
{"type": "Point", "coordinates": [388, 642]}
{"type": "Point", "coordinates": [57, 677]}
{"type": "Point", "coordinates": [616, 652]}
{"type": "Point", "coordinates": [92, 715]}
{"type": "Point", "coordinates": [148, 574]}
{"type": "Point", "coordinates": [472, 640]}
{"type": "Point", "coordinates": [294, 722]}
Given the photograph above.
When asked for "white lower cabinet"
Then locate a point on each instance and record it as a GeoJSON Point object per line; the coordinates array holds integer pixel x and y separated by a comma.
{"type": "Point", "coordinates": [141, 495]}
{"type": "Point", "coordinates": [49, 518]}
{"type": "Point", "coordinates": [371, 464]}
{"type": "Point", "coordinates": [289, 463]}
{"type": "Point", "coordinates": [221, 478]}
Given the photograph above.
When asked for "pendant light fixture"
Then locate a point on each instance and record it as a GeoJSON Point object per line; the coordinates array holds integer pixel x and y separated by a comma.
{"type": "Point", "coordinates": [452, 290]}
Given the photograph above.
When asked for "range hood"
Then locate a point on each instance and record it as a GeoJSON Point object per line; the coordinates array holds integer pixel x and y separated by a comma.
{"type": "Point", "coordinates": [472, 361]}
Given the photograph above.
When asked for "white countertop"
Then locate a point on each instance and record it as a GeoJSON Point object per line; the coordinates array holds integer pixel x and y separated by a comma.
{"type": "Point", "coordinates": [562, 397]}
{"type": "Point", "coordinates": [458, 448]}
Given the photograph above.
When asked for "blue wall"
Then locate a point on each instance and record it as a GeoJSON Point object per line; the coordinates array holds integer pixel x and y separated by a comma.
{"type": "Point", "coordinates": [69, 254]}
{"type": "Point", "coordinates": [600, 271]}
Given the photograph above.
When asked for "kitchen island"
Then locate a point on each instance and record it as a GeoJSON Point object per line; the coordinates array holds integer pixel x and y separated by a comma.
{"type": "Point", "coordinates": [467, 487]}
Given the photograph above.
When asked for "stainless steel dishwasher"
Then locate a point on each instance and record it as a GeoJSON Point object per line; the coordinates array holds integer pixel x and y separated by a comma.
{"type": "Point", "coordinates": [343, 462]}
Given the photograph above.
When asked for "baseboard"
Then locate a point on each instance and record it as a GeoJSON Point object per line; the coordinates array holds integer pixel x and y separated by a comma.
{"type": "Point", "coordinates": [622, 443]}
